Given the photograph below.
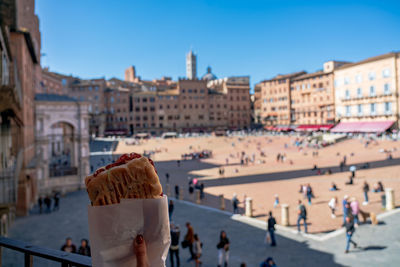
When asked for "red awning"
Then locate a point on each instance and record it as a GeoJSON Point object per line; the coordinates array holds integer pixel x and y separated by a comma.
{"type": "Point", "coordinates": [362, 127]}
{"type": "Point", "coordinates": [314, 127]}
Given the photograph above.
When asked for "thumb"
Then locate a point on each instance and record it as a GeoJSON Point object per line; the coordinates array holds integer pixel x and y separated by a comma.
{"type": "Point", "coordinates": [139, 247]}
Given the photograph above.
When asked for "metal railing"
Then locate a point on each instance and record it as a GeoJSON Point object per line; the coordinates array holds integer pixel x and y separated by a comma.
{"type": "Point", "coordinates": [66, 259]}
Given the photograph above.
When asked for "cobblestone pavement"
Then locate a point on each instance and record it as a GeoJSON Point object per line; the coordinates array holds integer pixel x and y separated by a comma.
{"type": "Point", "coordinates": [379, 245]}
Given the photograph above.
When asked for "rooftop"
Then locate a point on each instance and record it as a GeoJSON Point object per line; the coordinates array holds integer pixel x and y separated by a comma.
{"type": "Point", "coordinates": [370, 59]}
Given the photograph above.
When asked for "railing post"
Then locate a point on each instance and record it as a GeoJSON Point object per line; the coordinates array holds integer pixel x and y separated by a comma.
{"type": "Point", "coordinates": [28, 260]}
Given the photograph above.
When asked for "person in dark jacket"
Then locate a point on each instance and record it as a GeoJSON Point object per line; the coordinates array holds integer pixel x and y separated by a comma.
{"type": "Point", "coordinates": [223, 249]}
{"type": "Point", "coordinates": [84, 249]}
{"type": "Point", "coordinates": [40, 202]}
{"type": "Point", "coordinates": [271, 229]}
{"type": "Point", "coordinates": [177, 191]}
{"type": "Point", "coordinates": [56, 201]}
{"type": "Point", "coordinates": [269, 262]}
{"type": "Point", "coordinates": [189, 240]}
{"type": "Point", "coordinates": [170, 209]}
{"type": "Point", "coordinates": [349, 233]}
{"type": "Point", "coordinates": [47, 202]}
{"type": "Point", "coordinates": [365, 190]}
{"type": "Point", "coordinates": [174, 248]}
{"type": "Point", "coordinates": [69, 246]}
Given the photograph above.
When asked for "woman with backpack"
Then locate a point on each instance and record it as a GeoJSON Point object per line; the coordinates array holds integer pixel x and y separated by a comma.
{"type": "Point", "coordinates": [223, 249]}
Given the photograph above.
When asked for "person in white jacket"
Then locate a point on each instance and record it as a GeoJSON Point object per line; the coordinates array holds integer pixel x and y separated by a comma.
{"type": "Point", "coordinates": [332, 204]}
{"type": "Point", "coordinates": [197, 250]}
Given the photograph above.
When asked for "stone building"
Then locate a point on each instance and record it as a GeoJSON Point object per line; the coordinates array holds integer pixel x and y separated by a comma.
{"type": "Point", "coordinates": [367, 92]}
{"type": "Point", "coordinates": [62, 142]}
{"type": "Point", "coordinates": [275, 99]}
{"type": "Point", "coordinates": [21, 57]}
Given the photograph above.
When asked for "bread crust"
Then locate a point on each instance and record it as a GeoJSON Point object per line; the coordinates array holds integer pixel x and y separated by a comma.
{"type": "Point", "coordinates": [136, 178]}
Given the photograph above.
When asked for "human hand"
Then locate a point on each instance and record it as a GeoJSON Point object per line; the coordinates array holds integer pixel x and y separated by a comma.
{"type": "Point", "coordinates": [139, 248]}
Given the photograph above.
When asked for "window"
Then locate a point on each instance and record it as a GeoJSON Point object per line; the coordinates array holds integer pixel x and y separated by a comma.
{"type": "Point", "coordinates": [371, 76]}
{"type": "Point", "coordinates": [96, 97]}
{"type": "Point", "coordinates": [372, 91]}
{"type": "Point", "coordinates": [359, 92]}
{"type": "Point", "coordinates": [388, 108]}
{"type": "Point", "coordinates": [183, 90]}
{"type": "Point", "coordinates": [112, 99]}
{"type": "Point", "coordinates": [386, 89]}
{"type": "Point", "coordinates": [96, 88]}
{"type": "Point", "coordinates": [373, 108]}
{"type": "Point", "coordinates": [161, 118]}
{"type": "Point", "coordinates": [358, 78]}
{"type": "Point", "coordinates": [348, 111]}
{"type": "Point", "coordinates": [144, 99]}
{"type": "Point", "coordinates": [90, 88]}
{"type": "Point", "coordinates": [152, 99]}
{"type": "Point", "coordinates": [64, 82]}
{"type": "Point", "coordinates": [386, 73]}
{"type": "Point", "coordinates": [346, 80]}
{"type": "Point", "coordinates": [347, 94]}
{"type": "Point", "coordinates": [359, 109]}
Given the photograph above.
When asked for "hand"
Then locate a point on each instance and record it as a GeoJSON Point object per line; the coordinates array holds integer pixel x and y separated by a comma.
{"type": "Point", "coordinates": [139, 248]}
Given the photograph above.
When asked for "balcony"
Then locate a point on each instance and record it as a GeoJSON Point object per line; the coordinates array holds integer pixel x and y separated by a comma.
{"type": "Point", "coordinates": [29, 251]}
{"type": "Point", "coordinates": [11, 84]}
{"type": "Point", "coordinates": [366, 97]}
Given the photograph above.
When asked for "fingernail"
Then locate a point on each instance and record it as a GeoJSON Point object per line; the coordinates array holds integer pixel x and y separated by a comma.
{"type": "Point", "coordinates": [139, 239]}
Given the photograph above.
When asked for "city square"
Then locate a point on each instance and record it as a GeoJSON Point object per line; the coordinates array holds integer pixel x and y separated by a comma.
{"type": "Point", "coordinates": [201, 133]}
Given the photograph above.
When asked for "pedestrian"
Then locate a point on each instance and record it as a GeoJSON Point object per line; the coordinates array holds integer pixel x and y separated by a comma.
{"type": "Point", "coordinates": [353, 171]}
{"type": "Point", "coordinates": [355, 209]}
{"type": "Point", "coordinates": [56, 201]}
{"type": "Point", "coordinates": [365, 190]}
{"type": "Point", "coordinates": [201, 190]}
{"type": "Point", "coordinates": [302, 215]}
{"type": "Point", "coordinates": [174, 247]}
{"type": "Point", "coordinates": [47, 202]}
{"type": "Point", "coordinates": [269, 262]}
{"type": "Point", "coordinates": [177, 191]}
{"type": "Point", "coordinates": [309, 194]}
{"type": "Point", "coordinates": [235, 204]}
{"type": "Point", "coordinates": [223, 249]}
{"type": "Point", "coordinates": [197, 250]}
{"type": "Point", "coordinates": [40, 202]}
{"type": "Point", "coordinates": [333, 187]}
{"type": "Point", "coordinates": [276, 202]}
{"type": "Point", "coordinates": [84, 249]}
{"type": "Point", "coordinates": [167, 177]}
{"type": "Point", "coordinates": [69, 246]}
{"type": "Point", "coordinates": [178, 163]}
{"type": "Point", "coordinates": [345, 208]}
{"type": "Point", "coordinates": [271, 229]}
{"type": "Point", "coordinates": [332, 205]}
{"type": "Point", "coordinates": [170, 209]}
{"type": "Point", "coordinates": [189, 240]}
{"type": "Point", "coordinates": [349, 224]}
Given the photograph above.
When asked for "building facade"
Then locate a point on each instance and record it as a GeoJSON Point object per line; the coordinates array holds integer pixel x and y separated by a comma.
{"type": "Point", "coordinates": [368, 90]}
{"type": "Point", "coordinates": [276, 102]}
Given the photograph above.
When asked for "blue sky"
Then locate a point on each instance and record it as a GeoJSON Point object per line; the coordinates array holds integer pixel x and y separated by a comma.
{"type": "Point", "coordinates": [95, 38]}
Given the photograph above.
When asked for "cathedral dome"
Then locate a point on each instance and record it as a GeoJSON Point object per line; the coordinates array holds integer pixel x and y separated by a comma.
{"type": "Point", "coordinates": [209, 76]}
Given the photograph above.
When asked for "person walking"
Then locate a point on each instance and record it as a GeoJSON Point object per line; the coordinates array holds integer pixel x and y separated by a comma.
{"type": "Point", "coordinates": [269, 262]}
{"type": "Point", "coordinates": [365, 190]}
{"type": "Point", "coordinates": [276, 202]}
{"type": "Point", "coordinates": [40, 202]}
{"type": "Point", "coordinates": [271, 229]}
{"type": "Point", "coordinates": [197, 250]}
{"type": "Point", "coordinates": [332, 205]}
{"type": "Point", "coordinates": [309, 194]}
{"type": "Point", "coordinates": [302, 215]}
{"type": "Point", "coordinates": [189, 240]}
{"type": "Point", "coordinates": [235, 204]}
{"type": "Point", "coordinates": [345, 208]}
{"type": "Point", "coordinates": [177, 191]}
{"type": "Point", "coordinates": [349, 224]}
{"type": "Point", "coordinates": [170, 209]}
{"type": "Point", "coordinates": [223, 249]}
{"type": "Point", "coordinates": [56, 201]}
{"type": "Point", "coordinates": [69, 246]}
{"type": "Point", "coordinates": [167, 177]}
{"type": "Point", "coordinates": [174, 248]}
{"type": "Point", "coordinates": [84, 249]}
{"type": "Point", "coordinates": [355, 209]}
{"type": "Point", "coordinates": [47, 202]}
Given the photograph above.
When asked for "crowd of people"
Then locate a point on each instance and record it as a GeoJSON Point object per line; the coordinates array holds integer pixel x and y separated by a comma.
{"type": "Point", "coordinates": [49, 203]}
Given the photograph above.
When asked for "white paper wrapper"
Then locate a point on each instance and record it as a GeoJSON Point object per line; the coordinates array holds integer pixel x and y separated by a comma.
{"type": "Point", "coordinates": [113, 228]}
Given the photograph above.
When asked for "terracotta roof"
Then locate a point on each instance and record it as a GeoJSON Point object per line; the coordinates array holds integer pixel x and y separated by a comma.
{"type": "Point", "coordinates": [310, 75]}
{"type": "Point", "coordinates": [370, 59]}
{"type": "Point", "coordinates": [286, 76]}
